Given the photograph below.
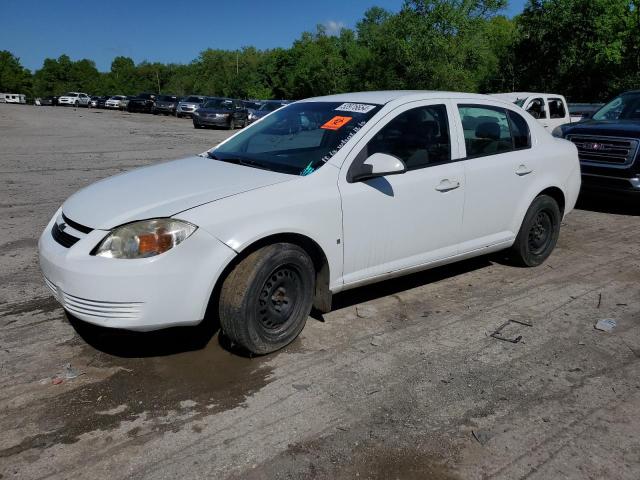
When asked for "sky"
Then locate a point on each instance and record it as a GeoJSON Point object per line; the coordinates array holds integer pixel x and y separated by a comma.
{"type": "Point", "coordinates": [168, 31]}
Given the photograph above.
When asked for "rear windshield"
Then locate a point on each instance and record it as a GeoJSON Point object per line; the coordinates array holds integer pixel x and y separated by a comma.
{"type": "Point", "coordinates": [297, 139]}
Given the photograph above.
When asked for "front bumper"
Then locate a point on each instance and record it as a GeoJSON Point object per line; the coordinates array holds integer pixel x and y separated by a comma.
{"type": "Point", "coordinates": [146, 294]}
{"type": "Point", "coordinates": [215, 121]}
{"type": "Point", "coordinates": [611, 183]}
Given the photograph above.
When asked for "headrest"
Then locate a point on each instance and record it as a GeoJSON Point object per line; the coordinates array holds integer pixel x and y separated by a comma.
{"type": "Point", "coordinates": [488, 130]}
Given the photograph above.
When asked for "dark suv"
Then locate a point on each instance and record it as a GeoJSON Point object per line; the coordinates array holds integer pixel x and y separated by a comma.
{"type": "Point", "coordinates": [141, 103]}
{"type": "Point", "coordinates": [609, 145]}
{"type": "Point", "coordinates": [166, 104]}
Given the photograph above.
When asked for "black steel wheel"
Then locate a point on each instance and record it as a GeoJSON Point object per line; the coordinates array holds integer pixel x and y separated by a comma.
{"type": "Point", "coordinates": [539, 232]}
{"type": "Point", "coordinates": [266, 299]}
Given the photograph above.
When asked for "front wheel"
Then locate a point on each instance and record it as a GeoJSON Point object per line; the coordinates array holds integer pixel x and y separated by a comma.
{"type": "Point", "coordinates": [266, 299]}
{"type": "Point", "coordinates": [539, 232]}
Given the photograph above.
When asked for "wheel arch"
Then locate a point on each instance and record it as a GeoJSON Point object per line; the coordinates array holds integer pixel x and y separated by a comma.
{"type": "Point", "coordinates": [322, 295]}
{"type": "Point", "coordinates": [557, 194]}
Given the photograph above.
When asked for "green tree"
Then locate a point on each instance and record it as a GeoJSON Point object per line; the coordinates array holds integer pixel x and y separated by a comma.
{"type": "Point", "coordinates": [14, 78]}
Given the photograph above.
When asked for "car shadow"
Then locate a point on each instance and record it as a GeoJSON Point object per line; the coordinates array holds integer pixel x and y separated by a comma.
{"type": "Point", "coordinates": [609, 203]}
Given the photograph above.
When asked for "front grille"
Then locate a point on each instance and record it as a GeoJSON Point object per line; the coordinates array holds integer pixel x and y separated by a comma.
{"type": "Point", "coordinates": [75, 225]}
{"type": "Point", "coordinates": [605, 150]}
{"type": "Point", "coordinates": [62, 237]}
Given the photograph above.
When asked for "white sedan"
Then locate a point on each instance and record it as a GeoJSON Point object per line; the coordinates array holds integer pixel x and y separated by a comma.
{"type": "Point", "coordinates": [114, 102]}
{"type": "Point", "coordinates": [323, 195]}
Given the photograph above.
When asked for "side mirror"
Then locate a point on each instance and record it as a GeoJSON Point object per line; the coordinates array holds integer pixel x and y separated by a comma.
{"type": "Point", "coordinates": [378, 165]}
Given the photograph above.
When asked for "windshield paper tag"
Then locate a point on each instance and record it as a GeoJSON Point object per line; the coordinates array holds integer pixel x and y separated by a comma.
{"type": "Point", "coordinates": [336, 123]}
{"type": "Point", "coordinates": [355, 107]}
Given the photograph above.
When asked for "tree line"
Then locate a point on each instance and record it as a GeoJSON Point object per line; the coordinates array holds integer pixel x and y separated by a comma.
{"type": "Point", "coordinates": [587, 50]}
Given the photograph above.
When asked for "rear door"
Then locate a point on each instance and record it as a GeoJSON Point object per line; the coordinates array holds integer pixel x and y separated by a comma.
{"type": "Point", "coordinates": [499, 165]}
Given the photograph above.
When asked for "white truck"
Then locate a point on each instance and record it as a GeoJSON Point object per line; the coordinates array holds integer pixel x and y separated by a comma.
{"type": "Point", "coordinates": [550, 109]}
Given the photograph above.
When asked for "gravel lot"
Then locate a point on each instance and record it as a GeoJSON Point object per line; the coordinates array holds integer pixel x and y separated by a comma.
{"type": "Point", "coordinates": [401, 380]}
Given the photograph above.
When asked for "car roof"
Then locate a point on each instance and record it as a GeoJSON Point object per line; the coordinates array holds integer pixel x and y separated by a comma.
{"type": "Point", "coordinates": [386, 96]}
{"type": "Point", "coordinates": [513, 96]}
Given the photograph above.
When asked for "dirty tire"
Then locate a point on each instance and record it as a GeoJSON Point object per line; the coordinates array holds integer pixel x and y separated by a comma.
{"type": "Point", "coordinates": [266, 299]}
{"type": "Point", "coordinates": [231, 125]}
{"type": "Point", "coordinates": [539, 232]}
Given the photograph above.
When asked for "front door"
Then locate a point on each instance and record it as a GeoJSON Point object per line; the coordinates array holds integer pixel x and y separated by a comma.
{"type": "Point", "coordinates": [407, 220]}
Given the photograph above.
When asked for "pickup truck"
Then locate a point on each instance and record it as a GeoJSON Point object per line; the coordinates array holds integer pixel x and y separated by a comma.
{"type": "Point", "coordinates": [549, 109]}
{"type": "Point", "coordinates": [608, 145]}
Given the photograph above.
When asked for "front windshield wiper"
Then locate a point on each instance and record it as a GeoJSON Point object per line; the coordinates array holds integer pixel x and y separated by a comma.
{"type": "Point", "coordinates": [240, 161]}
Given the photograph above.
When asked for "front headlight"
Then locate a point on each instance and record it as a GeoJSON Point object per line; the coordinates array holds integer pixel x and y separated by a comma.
{"type": "Point", "coordinates": [558, 132]}
{"type": "Point", "coordinates": [146, 238]}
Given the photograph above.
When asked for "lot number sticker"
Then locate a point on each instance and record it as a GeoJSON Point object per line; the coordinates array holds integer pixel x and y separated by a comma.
{"type": "Point", "coordinates": [355, 107]}
{"type": "Point", "coordinates": [336, 123]}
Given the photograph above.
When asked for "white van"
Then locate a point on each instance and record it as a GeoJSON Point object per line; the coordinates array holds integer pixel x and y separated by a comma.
{"type": "Point", "coordinates": [549, 109]}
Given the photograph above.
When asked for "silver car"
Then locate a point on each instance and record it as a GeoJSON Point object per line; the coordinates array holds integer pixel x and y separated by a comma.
{"type": "Point", "coordinates": [190, 104]}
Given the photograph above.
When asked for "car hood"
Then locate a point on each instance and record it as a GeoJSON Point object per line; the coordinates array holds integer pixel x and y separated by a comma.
{"type": "Point", "coordinates": [617, 128]}
{"type": "Point", "coordinates": [163, 190]}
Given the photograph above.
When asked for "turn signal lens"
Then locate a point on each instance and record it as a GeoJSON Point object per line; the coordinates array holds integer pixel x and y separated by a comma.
{"type": "Point", "coordinates": [145, 239]}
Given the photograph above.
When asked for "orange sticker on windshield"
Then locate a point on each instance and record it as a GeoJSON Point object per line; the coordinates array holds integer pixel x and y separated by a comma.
{"type": "Point", "coordinates": [336, 122]}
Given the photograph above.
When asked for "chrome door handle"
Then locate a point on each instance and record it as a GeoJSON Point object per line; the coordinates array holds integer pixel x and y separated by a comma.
{"type": "Point", "coordinates": [523, 170]}
{"type": "Point", "coordinates": [447, 185]}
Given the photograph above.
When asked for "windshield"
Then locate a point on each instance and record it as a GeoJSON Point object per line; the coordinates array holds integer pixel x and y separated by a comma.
{"type": "Point", "coordinates": [270, 106]}
{"type": "Point", "coordinates": [251, 105]}
{"type": "Point", "coordinates": [297, 139]}
{"type": "Point", "coordinates": [219, 103]}
{"type": "Point", "coordinates": [167, 98]}
{"type": "Point", "coordinates": [193, 100]}
{"type": "Point", "coordinates": [70, 94]}
{"type": "Point", "coordinates": [624, 107]}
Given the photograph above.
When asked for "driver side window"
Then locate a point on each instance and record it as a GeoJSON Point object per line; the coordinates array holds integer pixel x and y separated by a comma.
{"type": "Point", "coordinates": [419, 137]}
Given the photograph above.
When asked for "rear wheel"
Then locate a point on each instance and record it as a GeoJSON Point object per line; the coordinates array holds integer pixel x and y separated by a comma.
{"type": "Point", "coordinates": [539, 232]}
{"type": "Point", "coordinates": [232, 124]}
{"type": "Point", "coordinates": [266, 299]}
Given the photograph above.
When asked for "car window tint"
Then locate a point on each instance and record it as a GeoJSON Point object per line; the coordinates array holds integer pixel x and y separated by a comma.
{"type": "Point", "coordinates": [486, 130]}
{"type": "Point", "coordinates": [419, 137]}
{"type": "Point", "coordinates": [556, 108]}
{"type": "Point", "coordinates": [519, 131]}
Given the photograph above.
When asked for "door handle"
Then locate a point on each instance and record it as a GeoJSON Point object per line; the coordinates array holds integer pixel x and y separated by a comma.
{"type": "Point", "coordinates": [523, 170]}
{"type": "Point", "coordinates": [447, 185]}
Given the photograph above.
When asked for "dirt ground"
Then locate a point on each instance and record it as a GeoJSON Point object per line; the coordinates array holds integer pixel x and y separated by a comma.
{"type": "Point", "coordinates": [401, 380]}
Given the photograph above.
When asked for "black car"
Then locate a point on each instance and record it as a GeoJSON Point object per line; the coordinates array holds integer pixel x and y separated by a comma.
{"type": "Point", "coordinates": [49, 101]}
{"type": "Point", "coordinates": [143, 102]}
{"type": "Point", "coordinates": [609, 145]}
{"type": "Point", "coordinates": [221, 112]}
{"type": "Point", "coordinates": [166, 104]}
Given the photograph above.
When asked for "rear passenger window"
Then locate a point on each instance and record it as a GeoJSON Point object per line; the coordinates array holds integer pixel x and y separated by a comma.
{"type": "Point", "coordinates": [492, 130]}
{"type": "Point", "coordinates": [419, 137]}
{"type": "Point", "coordinates": [519, 131]}
{"type": "Point", "coordinates": [486, 130]}
{"type": "Point", "coordinates": [556, 108]}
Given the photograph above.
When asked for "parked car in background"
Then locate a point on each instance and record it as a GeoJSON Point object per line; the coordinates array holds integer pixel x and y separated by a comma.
{"type": "Point", "coordinates": [189, 104]}
{"type": "Point", "coordinates": [266, 108]}
{"type": "Point", "coordinates": [114, 102]}
{"type": "Point", "coordinates": [287, 212]}
{"type": "Point", "coordinates": [166, 104]}
{"type": "Point", "coordinates": [609, 145]}
{"type": "Point", "coordinates": [75, 99]}
{"type": "Point", "coordinates": [124, 103]}
{"type": "Point", "coordinates": [49, 101]}
{"type": "Point", "coordinates": [221, 112]}
{"type": "Point", "coordinates": [582, 111]}
{"type": "Point", "coordinates": [142, 103]}
{"type": "Point", "coordinates": [549, 109]}
{"type": "Point", "coordinates": [98, 101]}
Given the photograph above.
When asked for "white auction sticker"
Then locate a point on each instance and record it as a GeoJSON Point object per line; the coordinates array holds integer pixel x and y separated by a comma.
{"type": "Point", "coordinates": [355, 107]}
